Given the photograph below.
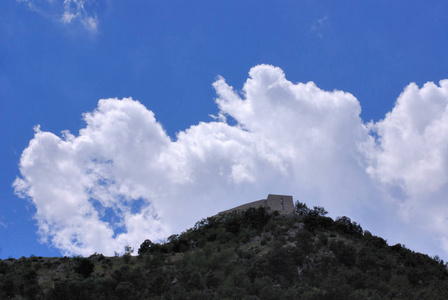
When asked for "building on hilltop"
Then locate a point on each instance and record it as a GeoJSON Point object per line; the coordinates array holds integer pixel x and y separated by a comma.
{"type": "Point", "coordinates": [281, 203]}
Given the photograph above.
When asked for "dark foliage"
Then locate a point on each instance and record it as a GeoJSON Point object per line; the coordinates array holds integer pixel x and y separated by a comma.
{"type": "Point", "coordinates": [145, 247]}
{"type": "Point", "coordinates": [241, 255]}
{"type": "Point", "coordinates": [84, 267]}
{"type": "Point", "coordinates": [345, 225]}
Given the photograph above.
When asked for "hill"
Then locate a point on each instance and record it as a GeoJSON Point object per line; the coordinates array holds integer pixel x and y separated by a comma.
{"type": "Point", "coordinates": [253, 254]}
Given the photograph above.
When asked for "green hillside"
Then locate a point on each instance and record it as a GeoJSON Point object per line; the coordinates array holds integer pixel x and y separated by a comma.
{"type": "Point", "coordinates": [253, 254]}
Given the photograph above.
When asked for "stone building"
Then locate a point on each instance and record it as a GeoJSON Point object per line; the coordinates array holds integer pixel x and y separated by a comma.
{"type": "Point", "coordinates": [281, 203]}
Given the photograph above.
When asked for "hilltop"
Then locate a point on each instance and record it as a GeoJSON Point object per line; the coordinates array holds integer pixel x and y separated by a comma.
{"type": "Point", "coordinates": [250, 254]}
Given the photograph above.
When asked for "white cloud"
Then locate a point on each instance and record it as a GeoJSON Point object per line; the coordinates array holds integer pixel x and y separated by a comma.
{"type": "Point", "coordinates": [66, 11]}
{"type": "Point", "coordinates": [122, 179]}
{"type": "Point", "coordinates": [75, 9]}
{"type": "Point", "coordinates": [411, 158]}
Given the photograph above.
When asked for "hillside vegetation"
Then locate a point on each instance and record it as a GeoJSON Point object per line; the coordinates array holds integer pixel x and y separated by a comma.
{"type": "Point", "coordinates": [253, 254]}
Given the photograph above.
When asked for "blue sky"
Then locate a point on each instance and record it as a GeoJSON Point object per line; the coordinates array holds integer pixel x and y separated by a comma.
{"type": "Point", "coordinates": [58, 60]}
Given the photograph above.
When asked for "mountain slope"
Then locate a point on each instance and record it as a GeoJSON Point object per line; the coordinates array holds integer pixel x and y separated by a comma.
{"type": "Point", "coordinates": [253, 254]}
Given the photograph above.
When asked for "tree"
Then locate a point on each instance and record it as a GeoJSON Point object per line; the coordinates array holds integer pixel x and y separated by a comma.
{"type": "Point", "coordinates": [319, 211]}
{"type": "Point", "coordinates": [84, 267]}
{"type": "Point", "coordinates": [301, 209]}
{"type": "Point", "coordinates": [128, 250]}
{"type": "Point", "coordinates": [344, 224]}
{"type": "Point", "coordinates": [173, 238]}
{"type": "Point", "coordinates": [145, 247]}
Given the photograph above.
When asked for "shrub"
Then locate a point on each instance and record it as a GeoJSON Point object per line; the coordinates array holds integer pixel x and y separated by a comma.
{"type": "Point", "coordinates": [84, 267]}
{"type": "Point", "coordinates": [345, 253]}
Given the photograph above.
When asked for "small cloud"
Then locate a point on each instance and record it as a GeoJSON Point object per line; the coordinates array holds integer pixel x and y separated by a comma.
{"type": "Point", "coordinates": [75, 10]}
{"type": "Point", "coordinates": [67, 17]}
{"type": "Point", "coordinates": [66, 12]}
{"type": "Point", "coordinates": [91, 23]}
{"type": "Point", "coordinates": [318, 25]}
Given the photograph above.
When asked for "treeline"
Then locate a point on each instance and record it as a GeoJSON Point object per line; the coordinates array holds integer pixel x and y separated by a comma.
{"type": "Point", "coordinates": [254, 254]}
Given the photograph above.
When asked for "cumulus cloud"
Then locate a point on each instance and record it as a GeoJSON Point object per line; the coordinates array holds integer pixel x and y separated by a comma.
{"type": "Point", "coordinates": [411, 156]}
{"type": "Point", "coordinates": [66, 11]}
{"type": "Point", "coordinates": [122, 179]}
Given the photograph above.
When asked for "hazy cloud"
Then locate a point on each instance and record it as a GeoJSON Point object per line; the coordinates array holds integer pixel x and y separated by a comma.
{"type": "Point", "coordinates": [66, 11]}
{"type": "Point", "coordinates": [318, 25]}
{"type": "Point", "coordinates": [122, 179]}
